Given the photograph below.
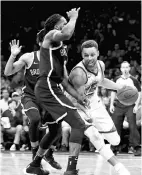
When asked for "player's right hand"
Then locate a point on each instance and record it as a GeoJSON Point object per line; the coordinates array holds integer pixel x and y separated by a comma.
{"type": "Point", "coordinates": [73, 13]}
{"type": "Point", "coordinates": [111, 109]}
{"type": "Point", "coordinates": [15, 48]}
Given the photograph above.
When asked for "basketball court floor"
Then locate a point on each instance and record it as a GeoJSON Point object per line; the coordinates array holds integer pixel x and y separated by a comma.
{"type": "Point", "coordinates": [13, 163]}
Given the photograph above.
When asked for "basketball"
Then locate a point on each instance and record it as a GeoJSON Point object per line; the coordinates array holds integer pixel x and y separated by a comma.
{"type": "Point", "coordinates": [127, 95]}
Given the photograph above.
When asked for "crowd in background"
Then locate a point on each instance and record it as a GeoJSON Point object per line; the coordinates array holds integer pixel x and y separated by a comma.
{"type": "Point", "coordinates": [117, 31]}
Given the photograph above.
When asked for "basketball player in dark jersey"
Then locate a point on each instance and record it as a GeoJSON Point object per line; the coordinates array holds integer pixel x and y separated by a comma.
{"type": "Point", "coordinates": [48, 93]}
{"type": "Point", "coordinates": [32, 109]}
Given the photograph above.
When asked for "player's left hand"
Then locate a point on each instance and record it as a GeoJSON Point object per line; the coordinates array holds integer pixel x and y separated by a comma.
{"type": "Point", "coordinates": [135, 109]}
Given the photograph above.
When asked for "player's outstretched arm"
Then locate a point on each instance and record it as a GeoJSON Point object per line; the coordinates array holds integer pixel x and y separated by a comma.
{"type": "Point", "coordinates": [109, 84]}
{"type": "Point", "coordinates": [11, 66]}
{"type": "Point", "coordinates": [68, 29]}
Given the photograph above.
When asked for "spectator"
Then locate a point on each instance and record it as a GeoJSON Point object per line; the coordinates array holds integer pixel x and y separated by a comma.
{"type": "Point", "coordinates": [11, 124]}
{"type": "Point", "coordinates": [121, 110]}
{"type": "Point", "coordinates": [4, 100]}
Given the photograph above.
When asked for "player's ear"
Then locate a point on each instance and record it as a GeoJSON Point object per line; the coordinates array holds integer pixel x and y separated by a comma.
{"type": "Point", "coordinates": [98, 53]}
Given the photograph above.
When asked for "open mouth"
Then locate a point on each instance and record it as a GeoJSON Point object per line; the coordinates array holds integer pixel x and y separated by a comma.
{"type": "Point", "coordinates": [91, 63]}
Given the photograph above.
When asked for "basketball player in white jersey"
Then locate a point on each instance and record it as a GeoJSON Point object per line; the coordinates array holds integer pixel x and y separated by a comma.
{"type": "Point", "coordinates": [85, 77]}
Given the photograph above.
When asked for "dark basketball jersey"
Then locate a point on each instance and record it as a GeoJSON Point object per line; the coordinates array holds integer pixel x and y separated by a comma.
{"type": "Point", "coordinates": [31, 75]}
{"type": "Point", "coordinates": [52, 61]}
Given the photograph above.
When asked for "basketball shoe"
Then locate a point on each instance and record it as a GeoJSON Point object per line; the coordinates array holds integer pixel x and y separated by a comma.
{"type": "Point", "coordinates": [35, 171]}
{"type": "Point", "coordinates": [50, 159]}
{"type": "Point", "coordinates": [121, 170]}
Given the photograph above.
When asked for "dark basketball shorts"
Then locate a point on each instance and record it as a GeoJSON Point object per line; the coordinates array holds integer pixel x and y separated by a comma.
{"type": "Point", "coordinates": [52, 99]}
{"type": "Point", "coordinates": [29, 102]}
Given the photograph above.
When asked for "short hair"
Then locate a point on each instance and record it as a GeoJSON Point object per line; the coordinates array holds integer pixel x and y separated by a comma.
{"type": "Point", "coordinates": [10, 101]}
{"type": "Point", "coordinates": [124, 63]}
{"type": "Point", "coordinates": [88, 44]}
{"type": "Point", "coordinates": [51, 22]}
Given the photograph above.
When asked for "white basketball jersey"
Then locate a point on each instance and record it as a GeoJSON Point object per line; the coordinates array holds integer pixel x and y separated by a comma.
{"type": "Point", "coordinates": [91, 86]}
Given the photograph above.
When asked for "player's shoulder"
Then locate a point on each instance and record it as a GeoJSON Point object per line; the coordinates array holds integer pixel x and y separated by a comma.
{"type": "Point", "coordinates": [78, 75]}
{"type": "Point", "coordinates": [78, 71]}
{"type": "Point", "coordinates": [50, 34]}
{"type": "Point", "coordinates": [27, 56]}
{"type": "Point", "coordinates": [102, 64]}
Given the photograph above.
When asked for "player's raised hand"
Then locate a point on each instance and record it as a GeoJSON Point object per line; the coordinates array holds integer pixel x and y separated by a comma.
{"type": "Point", "coordinates": [15, 48]}
{"type": "Point", "coordinates": [73, 13]}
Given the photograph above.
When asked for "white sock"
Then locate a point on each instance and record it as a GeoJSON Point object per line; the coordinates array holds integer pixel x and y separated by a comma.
{"type": "Point", "coordinates": [118, 166]}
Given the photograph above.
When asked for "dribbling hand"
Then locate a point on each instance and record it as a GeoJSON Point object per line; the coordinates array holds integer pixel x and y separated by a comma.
{"type": "Point", "coordinates": [73, 13]}
{"type": "Point", "coordinates": [15, 48]}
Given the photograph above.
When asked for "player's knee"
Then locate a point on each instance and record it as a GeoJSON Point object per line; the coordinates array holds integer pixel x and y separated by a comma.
{"type": "Point", "coordinates": [115, 140]}
{"type": "Point", "coordinates": [34, 116]}
{"type": "Point", "coordinates": [76, 135]}
{"type": "Point", "coordinates": [95, 137]}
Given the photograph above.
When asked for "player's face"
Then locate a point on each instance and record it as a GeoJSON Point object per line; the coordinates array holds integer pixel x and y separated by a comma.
{"type": "Point", "coordinates": [90, 56]}
{"type": "Point", "coordinates": [125, 68]}
{"type": "Point", "coordinates": [61, 23]}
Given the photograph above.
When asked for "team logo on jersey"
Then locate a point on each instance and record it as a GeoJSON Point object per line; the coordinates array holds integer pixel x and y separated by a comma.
{"type": "Point", "coordinates": [34, 71]}
{"type": "Point", "coordinates": [63, 52]}
{"type": "Point", "coordinates": [89, 90]}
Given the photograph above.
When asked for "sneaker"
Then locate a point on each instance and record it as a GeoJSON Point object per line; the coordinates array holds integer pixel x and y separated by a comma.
{"type": "Point", "coordinates": [35, 171]}
{"type": "Point", "coordinates": [23, 147]}
{"type": "Point", "coordinates": [2, 147]}
{"type": "Point", "coordinates": [131, 150]}
{"type": "Point", "coordinates": [13, 147]}
{"type": "Point", "coordinates": [74, 172]}
{"type": "Point", "coordinates": [121, 170]}
{"type": "Point", "coordinates": [137, 151]}
{"type": "Point", "coordinates": [50, 159]}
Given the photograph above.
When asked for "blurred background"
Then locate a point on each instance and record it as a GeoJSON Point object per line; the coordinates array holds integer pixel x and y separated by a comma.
{"type": "Point", "coordinates": [116, 26]}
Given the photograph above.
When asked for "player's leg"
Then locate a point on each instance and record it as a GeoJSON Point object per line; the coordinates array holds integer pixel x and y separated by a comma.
{"type": "Point", "coordinates": [74, 120]}
{"type": "Point", "coordinates": [32, 111]}
{"type": "Point", "coordinates": [105, 125]}
{"type": "Point", "coordinates": [49, 154]}
{"type": "Point", "coordinates": [75, 140]}
{"type": "Point", "coordinates": [134, 136]}
{"type": "Point", "coordinates": [97, 140]}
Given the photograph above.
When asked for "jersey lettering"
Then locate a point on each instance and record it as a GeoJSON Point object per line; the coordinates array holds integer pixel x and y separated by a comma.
{"type": "Point", "coordinates": [34, 72]}
{"type": "Point", "coordinates": [63, 52]}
